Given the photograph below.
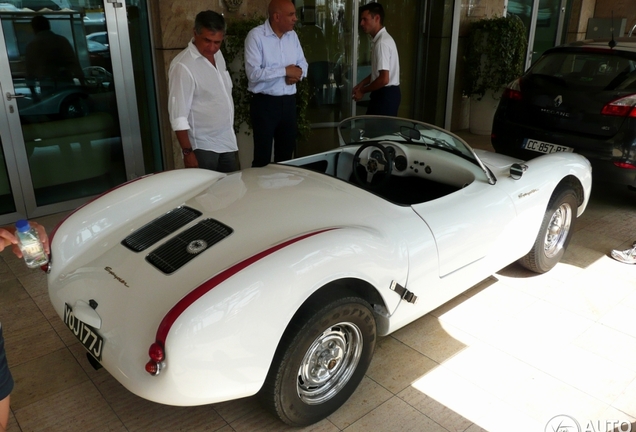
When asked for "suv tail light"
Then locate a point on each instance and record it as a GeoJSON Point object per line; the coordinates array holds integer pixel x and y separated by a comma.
{"type": "Point", "coordinates": [623, 107]}
{"type": "Point", "coordinates": [513, 90]}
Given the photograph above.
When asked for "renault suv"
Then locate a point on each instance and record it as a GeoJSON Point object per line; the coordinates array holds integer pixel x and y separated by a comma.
{"type": "Point", "coordinates": [578, 98]}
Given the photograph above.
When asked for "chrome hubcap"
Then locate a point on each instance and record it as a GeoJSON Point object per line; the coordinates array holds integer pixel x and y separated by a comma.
{"type": "Point", "coordinates": [329, 363]}
{"type": "Point", "coordinates": [558, 230]}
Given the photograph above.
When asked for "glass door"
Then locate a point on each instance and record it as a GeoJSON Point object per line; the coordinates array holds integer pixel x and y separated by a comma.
{"type": "Point", "coordinates": [543, 20]}
{"type": "Point", "coordinates": [62, 130]}
{"type": "Point", "coordinates": [326, 30]}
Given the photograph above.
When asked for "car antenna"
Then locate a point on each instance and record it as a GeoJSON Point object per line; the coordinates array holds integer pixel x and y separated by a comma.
{"type": "Point", "coordinates": [612, 42]}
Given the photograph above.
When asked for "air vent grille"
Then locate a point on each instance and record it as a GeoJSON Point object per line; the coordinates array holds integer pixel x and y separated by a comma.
{"type": "Point", "coordinates": [160, 228]}
{"type": "Point", "coordinates": [178, 251]}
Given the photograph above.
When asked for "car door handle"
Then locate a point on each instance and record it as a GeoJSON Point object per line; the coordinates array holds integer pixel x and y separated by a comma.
{"type": "Point", "coordinates": [14, 96]}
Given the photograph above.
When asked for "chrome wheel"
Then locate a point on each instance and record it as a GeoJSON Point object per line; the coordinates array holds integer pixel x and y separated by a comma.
{"type": "Point", "coordinates": [558, 230]}
{"type": "Point", "coordinates": [555, 232]}
{"type": "Point", "coordinates": [321, 358]}
{"type": "Point", "coordinates": [329, 363]}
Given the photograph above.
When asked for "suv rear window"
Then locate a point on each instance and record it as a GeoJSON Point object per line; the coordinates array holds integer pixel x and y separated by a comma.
{"type": "Point", "coordinates": [588, 70]}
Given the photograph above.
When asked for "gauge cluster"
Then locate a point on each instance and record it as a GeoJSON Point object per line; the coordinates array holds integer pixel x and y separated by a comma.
{"type": "Point", "coordinates": [400, 160]}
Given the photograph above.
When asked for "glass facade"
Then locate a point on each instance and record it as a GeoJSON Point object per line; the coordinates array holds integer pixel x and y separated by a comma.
{"type": "Point", "coordinates": [70, 131]}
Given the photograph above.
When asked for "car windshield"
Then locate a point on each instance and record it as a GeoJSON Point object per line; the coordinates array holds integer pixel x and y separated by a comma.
{"type": "Point", "coordinates": [358, 130]}
{"type": "Point", "coordinates": [587, 69]}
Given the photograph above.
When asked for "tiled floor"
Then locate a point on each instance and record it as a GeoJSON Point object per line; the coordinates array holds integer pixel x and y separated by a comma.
{"type": "Point", "coordinates": [508, 355]}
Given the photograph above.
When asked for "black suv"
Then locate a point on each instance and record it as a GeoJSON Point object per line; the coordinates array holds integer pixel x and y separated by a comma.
{"type": "Point", "coordinates": [579, 97]}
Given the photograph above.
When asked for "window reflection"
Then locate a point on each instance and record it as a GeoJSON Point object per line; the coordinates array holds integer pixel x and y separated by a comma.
{"type": "Point", "coordinates": [62, 75]}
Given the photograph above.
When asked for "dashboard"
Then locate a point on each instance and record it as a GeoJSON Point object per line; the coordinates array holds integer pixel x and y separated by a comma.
{"type": "Point", "coordinates": [400, 160]}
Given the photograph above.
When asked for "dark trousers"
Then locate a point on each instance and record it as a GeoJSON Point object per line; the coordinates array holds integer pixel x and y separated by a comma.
{"type": "Point", "coordinates": [221, 162]}
{"type": "Point", "coordinates": [385, 101]}
{"type": "Point", "coordinates": [273, 119]}
{"type": "Point", "coordinates": [6, 380]}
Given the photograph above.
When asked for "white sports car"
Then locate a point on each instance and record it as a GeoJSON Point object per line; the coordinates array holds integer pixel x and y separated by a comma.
{"type": "Point", "coordinates": [193, 287]}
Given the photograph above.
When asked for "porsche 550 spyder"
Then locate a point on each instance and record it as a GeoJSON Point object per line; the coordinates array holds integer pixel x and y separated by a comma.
{"type": "Point", "coordinates": [193, 287]}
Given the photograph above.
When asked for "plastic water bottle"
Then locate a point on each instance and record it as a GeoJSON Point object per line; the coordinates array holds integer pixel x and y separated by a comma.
{"type": "Point", "coordinates": [30, 245]}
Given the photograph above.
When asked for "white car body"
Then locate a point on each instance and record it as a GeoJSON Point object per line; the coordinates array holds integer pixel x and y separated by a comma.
{"type": "Point", "coordinates": [295, 231]}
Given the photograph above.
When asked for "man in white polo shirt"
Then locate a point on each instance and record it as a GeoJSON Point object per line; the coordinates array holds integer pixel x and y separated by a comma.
{"type": "Point", "coordinates": [384, 81]}
{"type": "Point", "coordinates": [200, 100]}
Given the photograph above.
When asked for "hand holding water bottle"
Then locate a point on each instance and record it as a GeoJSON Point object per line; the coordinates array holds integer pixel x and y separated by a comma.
{"type": "Point", "coordinates": [8, 238]}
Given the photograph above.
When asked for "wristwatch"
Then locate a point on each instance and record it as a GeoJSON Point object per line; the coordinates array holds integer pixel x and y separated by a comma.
{"type": "Point", "coordinates": [186, 151]}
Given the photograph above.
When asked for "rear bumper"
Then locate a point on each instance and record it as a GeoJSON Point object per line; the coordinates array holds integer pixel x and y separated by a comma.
{"type": "Point", "coordinates": [507, 138]}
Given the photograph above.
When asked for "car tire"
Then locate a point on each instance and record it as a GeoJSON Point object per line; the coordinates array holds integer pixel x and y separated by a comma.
{"type": "Point", "coordinates": [320, 361]}
{"type": "Point", "coordinates": [554, 234]}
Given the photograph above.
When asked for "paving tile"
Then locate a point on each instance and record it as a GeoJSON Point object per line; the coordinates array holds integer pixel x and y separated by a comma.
{"type": "Point", "coordinates": [433, 409]}
{"type": "Point", "coordinates": [610, 344]}
{"type": "Point", "coordinates": [395, 415]}
{"type": "Point", "coordinates": [43, 377]}
{"type": "Point", "coordinates": [395, 365]}
{"type": "Point", "coordinates": [35, 283]}
{"type": "Point", "coordinates": [428, 336]}
{"type": "Point", "coordinates": [86, 408]}
{"type": "Point", "coordinates": [626, 401]}
{"type": "Point", "coordinates": [138, 414]}
{"type": "Point", "coordinates": [620, 317]}
{"type": "Point", "coordinates": [368, 396]}
{"type": "Point", "coordinates": [473, 403]}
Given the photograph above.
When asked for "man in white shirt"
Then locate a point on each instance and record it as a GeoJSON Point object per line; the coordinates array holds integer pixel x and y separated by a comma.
{"type": "Point", "coordinates": [384, 81]}
{"type": "Point", "coordinates": [200, 100]}
{"type": "Point", "coordinates": [274, 63]}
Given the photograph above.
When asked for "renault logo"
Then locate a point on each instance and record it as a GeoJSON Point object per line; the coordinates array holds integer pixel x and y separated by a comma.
{"type": "Point", "coordinates": [558, 101]}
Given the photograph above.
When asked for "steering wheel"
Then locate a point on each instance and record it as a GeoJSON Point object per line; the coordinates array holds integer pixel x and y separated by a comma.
{"type": "Point", "coordinates": [97, 77]}
{"type": "Point", "coordinates": [378, 162]}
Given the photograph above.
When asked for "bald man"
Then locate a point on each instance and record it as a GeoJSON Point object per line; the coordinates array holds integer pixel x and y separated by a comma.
{"type": "Point", "coordinates": [274, 63]}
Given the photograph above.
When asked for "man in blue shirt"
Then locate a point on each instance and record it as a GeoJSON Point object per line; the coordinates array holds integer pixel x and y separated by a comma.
{"type": "Point", "coordinates": [274, 63]}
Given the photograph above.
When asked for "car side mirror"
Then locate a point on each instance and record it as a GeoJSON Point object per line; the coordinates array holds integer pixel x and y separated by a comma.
{"type": "Point", "coordinates": [517, 170]}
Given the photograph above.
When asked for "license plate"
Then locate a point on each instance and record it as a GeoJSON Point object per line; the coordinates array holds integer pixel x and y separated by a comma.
{"type": "Point", "coordinates": [86, 334]}
{"type": "Point", "coordinates": [544, 147]}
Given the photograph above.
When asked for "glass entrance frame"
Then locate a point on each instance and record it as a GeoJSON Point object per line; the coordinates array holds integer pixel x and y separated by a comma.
{"type": "Point", "coordinates": [544, 21]}
{"type": "Point", "coordinates": [65, 140]}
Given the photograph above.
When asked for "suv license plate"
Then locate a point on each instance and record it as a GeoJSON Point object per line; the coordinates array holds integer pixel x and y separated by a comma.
{"type": "Point", "coordinates": [544, 147]}
{"type": "Point", "coordinates": [86, 334]}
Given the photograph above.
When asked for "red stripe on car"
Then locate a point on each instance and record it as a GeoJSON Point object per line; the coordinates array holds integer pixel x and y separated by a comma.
{"type": "Point", "coordinates": [194, 295]}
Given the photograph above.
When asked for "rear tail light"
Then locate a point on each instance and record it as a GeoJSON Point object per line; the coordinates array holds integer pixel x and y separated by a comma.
{"type": "Point", "coordinates": [625, 165]}
{"type": "Point", "coordinates": [623, 107]}
{"type": "Point", "coordinates": [157, 356]}
{"type": "Point", "coordinates": [513, 90]}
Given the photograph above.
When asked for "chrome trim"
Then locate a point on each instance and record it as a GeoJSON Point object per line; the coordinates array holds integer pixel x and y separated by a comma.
{"type": "Point", "coordinates": [329, 363]}
{"type": "Point", "coordinates": [452, 67]}
{"type": "Point", "coordinates": [123, 73]}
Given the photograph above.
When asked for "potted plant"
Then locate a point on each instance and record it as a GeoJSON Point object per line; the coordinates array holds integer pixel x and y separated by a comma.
{"type": "Point", "coordinates": [495, 55]}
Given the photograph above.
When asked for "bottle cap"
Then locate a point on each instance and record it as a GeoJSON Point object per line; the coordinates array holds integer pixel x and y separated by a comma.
{"type": "Point", "coordinates": [22, 225]}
